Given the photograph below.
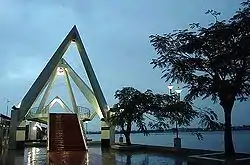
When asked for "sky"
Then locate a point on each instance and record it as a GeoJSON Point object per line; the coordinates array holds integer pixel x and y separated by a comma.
{"type": "Point", "coordinates": [116, 38]}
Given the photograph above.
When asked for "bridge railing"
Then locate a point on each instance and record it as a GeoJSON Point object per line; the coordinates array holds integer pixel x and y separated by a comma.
{"type": "Point", "coordinates": [34, 112]}
{"type": "Point", "coordinates": [84, 112]}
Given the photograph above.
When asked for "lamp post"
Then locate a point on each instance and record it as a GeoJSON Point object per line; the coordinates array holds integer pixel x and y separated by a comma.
{"type": "Point", "coordinates": [170, 87]}
{"type": "Point", "coordinates": [177, 140]}
{"type": "Point", "coordinates": [7, 107]}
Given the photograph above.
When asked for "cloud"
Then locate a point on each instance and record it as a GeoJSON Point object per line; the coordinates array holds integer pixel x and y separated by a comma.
{"type": "Point", "coordinates": [115, 34]}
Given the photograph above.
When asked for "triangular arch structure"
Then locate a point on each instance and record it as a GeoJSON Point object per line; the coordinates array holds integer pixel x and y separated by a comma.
{"type": "Point", "coordinates": [46, 78]}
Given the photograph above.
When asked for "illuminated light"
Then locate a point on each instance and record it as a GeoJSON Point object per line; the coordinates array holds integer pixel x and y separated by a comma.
{"type": "Point", "coordinates": [34, 128]}
{"type": "Point", "coordinates": [38, 126]}
{"type": "Point", "coordinates": [170, 86]}
{"type": "Point", "coordinates": [178, 90]}
{"type": "Point", "coordinates": [60, 71]}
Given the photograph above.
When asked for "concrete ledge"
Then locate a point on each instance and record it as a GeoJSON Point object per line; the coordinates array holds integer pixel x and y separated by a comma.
{"type": "Point", "coordinates": [128, 148]}
{"type": "Point", "coordinates": [217, 159]}
{"type": "Point", "coordinates": [160, 149]}
{"type": "Point", "coordinates": [94, 143]}
{"type": "Point", "coordinates": [35, 144]}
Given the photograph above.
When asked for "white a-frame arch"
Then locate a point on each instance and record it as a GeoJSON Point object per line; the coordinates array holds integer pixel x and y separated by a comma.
{"type": "Point", "coordinates": [93, 94]}
{"type": "Point", "coordinates": [42, 80]}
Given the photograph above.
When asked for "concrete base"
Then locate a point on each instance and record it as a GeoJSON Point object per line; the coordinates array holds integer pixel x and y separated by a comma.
{"type": "Point", "coordinates": [177, 143]}
{"type": "Point", "coordinates": [20, 145]}
{"type": "Point", "coordinates": [120, 139]}
{"type": "Point", "coordinates": [105, 143]}
{"type": "Point", "coordinates": [208, 159]}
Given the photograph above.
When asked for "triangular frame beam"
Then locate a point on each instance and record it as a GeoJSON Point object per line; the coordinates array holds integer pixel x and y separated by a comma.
{"type": "Point", "coordinates": [46, 73]}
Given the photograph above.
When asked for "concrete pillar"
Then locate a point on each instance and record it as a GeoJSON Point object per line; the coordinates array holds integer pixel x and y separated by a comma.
{"type": "Point", "coordinates": [177, 143]}
{"type": "Point", "coordinates": [21, 135]}
{"type": "Point", "coordinates": [13, 128]}
{"type": "Point", "coordinates": [32, 131]}
{"type": "Point", "coordinates": [112, 135]}
{"type": "Point", "coordinates": [112, 130]}
{"type": "Point", "coordinates": [105, 134]}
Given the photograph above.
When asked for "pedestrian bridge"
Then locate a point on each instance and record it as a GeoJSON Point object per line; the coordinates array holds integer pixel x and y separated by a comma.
{"type": "Point", "coordinates": [58, 66]}
{"type": "Point", "coordinates": [84, 114]}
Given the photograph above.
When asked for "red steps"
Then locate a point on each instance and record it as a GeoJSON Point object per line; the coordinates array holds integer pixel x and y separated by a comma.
{"type": "Point", "coordinates": [65, 133]}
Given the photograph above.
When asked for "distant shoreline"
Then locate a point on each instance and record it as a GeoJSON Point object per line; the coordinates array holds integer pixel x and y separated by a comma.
{"type": "Point", "coordinates": [236, 128]}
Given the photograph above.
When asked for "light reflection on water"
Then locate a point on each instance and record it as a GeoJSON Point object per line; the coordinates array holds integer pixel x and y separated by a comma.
{"type": "Point", "coordinates": [33, 156]}
{"type": "Point", "coordinates": [95, 156]}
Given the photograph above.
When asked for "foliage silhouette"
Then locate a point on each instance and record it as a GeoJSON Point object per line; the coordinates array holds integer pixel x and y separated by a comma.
{"type": "Point", "coordinates": [131, 106]}
{"type": "Point", "coordinates": [213, 62]}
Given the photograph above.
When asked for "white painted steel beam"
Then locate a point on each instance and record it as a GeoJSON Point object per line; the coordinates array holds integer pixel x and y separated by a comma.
{"type": "Point", "coordinates": [83, 87]}
{"type": "Point", "coordinates": [71, 94]}
{"type": "Point", "coordinates": [44, 76]}
{"type": "Point", "coordinates": [47, 91]}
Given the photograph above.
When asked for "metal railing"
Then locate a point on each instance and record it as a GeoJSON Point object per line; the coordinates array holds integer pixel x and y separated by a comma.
{"type": "Point", "coordinates": [84, 113]}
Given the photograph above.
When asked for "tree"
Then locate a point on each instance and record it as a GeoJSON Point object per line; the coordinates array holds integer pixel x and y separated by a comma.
{"type": "Point", "coordinates": [171, 111]}
{"type": "Point", "coordinates": [131, 106]}
{"type": "Point", "coordinates": [213, 62]}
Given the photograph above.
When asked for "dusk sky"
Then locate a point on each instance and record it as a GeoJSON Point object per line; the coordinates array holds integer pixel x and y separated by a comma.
{"type": "Point", "coordinates": [116, 38]}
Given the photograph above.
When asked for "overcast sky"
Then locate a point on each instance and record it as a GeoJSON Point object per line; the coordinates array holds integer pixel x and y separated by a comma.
{"type": "Point", "coordinates": [115, 35]}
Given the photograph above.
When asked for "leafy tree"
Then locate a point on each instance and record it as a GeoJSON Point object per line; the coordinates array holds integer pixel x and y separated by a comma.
{"type": "Point", "coordinates": [171, 111]}
{"type": "Point", "coordinates": [213, 62]}
{"type": "Point", "coordinates": [131, 106]}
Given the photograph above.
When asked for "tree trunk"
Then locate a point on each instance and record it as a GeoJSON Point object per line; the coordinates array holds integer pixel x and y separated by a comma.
{"type": "Point", "coordinates": [127, 137]}
{"type": "Point", "coordinates": [127, 133]}
{"type": "Point", "coordinates": [177, 131]}
{"type": "Point", "coordinates": [228, 139]}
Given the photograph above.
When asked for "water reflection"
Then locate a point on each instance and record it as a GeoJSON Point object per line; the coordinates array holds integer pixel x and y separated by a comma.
{"type": "Point", "coordinates": [68, 157]}
{"type": "Point", "coordinates": [149, 158]}
{"type": "Point", "coordinates": [95, 156]}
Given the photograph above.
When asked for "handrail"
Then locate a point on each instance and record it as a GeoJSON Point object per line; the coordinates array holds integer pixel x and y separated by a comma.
{"type": "Point", "coordinates": [84, 113]}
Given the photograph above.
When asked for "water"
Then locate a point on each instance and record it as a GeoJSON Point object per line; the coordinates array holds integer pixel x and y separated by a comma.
{"type": "Point", "coordinates": [211, 140]}
{"type": "Point", "coordinates": [95, 156]}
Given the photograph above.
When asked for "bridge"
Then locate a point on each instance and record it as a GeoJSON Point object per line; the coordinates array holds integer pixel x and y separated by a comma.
{"type": "Point", "coordinates": [41, 116]}
{"type": "Point", "coordinates": [58, 66]}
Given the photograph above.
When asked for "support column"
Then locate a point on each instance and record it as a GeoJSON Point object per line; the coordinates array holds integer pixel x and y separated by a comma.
{"type": "Point", "coordinates": [13, 129]}
{"type": "Point", "coordinates": [20, 135]}
{"type": "Point", "coordinates": [32, 131]}
{"type": "Point", "coordinates": [112, 130]}
{"type": "Point", "coordinates": [105, 134]}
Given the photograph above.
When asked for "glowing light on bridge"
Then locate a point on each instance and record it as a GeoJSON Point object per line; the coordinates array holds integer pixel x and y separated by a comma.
{"type": "Point", "coordinates": [60, 71]}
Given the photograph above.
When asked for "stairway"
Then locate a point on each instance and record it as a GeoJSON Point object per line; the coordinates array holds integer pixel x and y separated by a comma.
{"type": "Point", "coordinates": [65, 133]}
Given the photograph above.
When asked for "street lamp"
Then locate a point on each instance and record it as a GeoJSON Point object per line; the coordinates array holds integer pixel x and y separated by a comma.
{"type": "Point", "coordinates": [34, 128]}
{"type": "Point", "coordinates": [177, 140]}
{"type": "Point", "coordinates": [178, 91]}
{"type": "Point", "coordinates": [170, 87]}
{"type": "Point", "coordinates": [7, 107]}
